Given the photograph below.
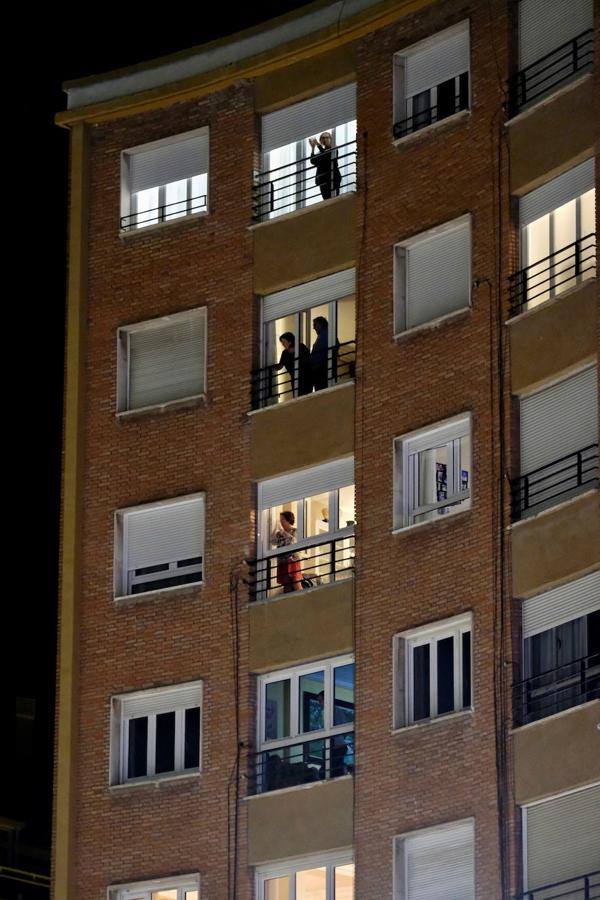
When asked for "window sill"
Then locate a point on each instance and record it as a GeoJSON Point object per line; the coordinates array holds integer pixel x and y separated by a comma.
{"type": "Point", "coordinates": [294, 400]}
{"type": "Point", "coordinates": [463, 714]}
{"type": "Point", "coordinates": [159, 408]}
{"type": "Point", "coordinates": [294, 213]}
{"type": "Point", "coordinates": [549, 98]}
{"type": "Point", "coordinates": [455, 118]}
{"type": "Point", "coordinates": [456, 314]}
{"type": "Point", "coordinates": [156, 781]}
{"type": "Point", "coordinates": [551, 509]}
{"type": "Point", "coordinates": [299, 787]}
{"type": "Point", "coordinates": [159, 226]}
{"type": "Point", "coordinates": [132, 599]}
{"type": "Point", "coordinates": [432, 523]}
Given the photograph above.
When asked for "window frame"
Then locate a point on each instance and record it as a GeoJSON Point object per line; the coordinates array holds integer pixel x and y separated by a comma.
{"type": "Point", "coordinates": [399, 843]}
{"type": "Point", "coordinates": [120, 732]}
{"type": "Point", "coordinates": [142, 890]}
{"type": "Point", "coordinates": [330, 860]}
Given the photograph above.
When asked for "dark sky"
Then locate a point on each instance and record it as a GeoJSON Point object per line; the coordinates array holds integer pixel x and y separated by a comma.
{"type": "Point", "coordinates": [35, 218]}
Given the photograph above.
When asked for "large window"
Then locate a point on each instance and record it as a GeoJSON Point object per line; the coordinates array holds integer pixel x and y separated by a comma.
{"type": "Point", "coordinates": [156, 733]}
{"type": "Point", "coordinates": [308, 339]}
{"type": "Point", "coordinates": [161, 360]}
{"type": "Point", "coordinates": [436, 863]}
{"type": "Point", "coordinates": [432, 274]}
{"type": "Point", "coordinates": [179, 887]}
{"type": "Point", "coordinates": [164, 180]}
{"type": "Point", "coordinates": [159, 545]}
{"type": "Point", "coordinates": [432, 472]}
{"type": "Point", "coordinates": [431, 80]}
{"type": "Point", "coordinates": [329, 876]}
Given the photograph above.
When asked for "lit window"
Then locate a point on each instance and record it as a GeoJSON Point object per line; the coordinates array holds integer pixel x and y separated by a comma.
{"type": "Point", "coordinates": [179, 887]}
{"type": "Point", "coordinates": [436, 863]}
{"type": "Point", "coordinates": [328, 876]}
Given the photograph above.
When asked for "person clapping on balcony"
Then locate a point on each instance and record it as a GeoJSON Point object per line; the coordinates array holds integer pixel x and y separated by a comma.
{"type": "Point", "coordinates": [328, 177]}
{"type": "Point", "coordinates": [287, 361]}
{"type": "Point", "coordinates": [289, 567]}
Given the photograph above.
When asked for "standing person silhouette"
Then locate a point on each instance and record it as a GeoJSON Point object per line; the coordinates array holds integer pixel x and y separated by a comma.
{"type": "Point", "coordinates": [328, 177]}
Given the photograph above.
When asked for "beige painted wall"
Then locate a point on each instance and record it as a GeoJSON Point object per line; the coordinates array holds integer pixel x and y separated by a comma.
{"type": "Point", "coordinates": [554, 136]}
{"type": "Point", "coordinates": [299, 627]}
{"type": "Point", "coordinates": [558, 336]}
{"type": "Point", "coordinates": [558, 753]}
{"type": "Point", "coordinates": [303, 432]}
{"type": "Point", "coordinates": [556, 546]}
{"type": "Point", "coordinates": [301, 820]}
{"type": "Point", "coordinates": [306, 245]}
{"type": "Point", "coordinates": [304, 79]}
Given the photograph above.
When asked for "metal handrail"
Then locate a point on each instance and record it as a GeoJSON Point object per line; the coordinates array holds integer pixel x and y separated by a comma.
{"type": "Point", "coordinates": [289, 186]}
{"type": "Point", "coordinates": [318, 757]}
{"type": "Point", "coordinates": [538, 486]}
{"type": "Point", "coordinates": [541, 77]}
{"type": "Point", "coordinates": [426, 117]}
{"type": "Point", "coordinates": [333, 560]}
{"type": "Point", "coordinates": [191, 205]}
{"type": "Point", "coordinates": [563, 687]}
{"type": "Point", "coordinates": [270, 384]}
{"type": "Point", "coordinates": [529, 284]}
{"type": "Point", "coordinates": [581, 887]}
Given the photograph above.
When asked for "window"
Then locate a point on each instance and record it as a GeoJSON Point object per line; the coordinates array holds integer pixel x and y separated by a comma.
{"type": "Point", "coordinates": [164, 180]}
{"type": "Point", "coordinates": [156, 733]}
{"type": "Point", "coordinates": [436, 863]}
{"type": "Point", "coordinates": [432, 472]}
{"type": "Point", "coordinates": [329, 876]}
{"type": "Point", "coordinates": [289, 180]}
{"type": "Point", "coordinates": [316, 359]}
{"type": "Point", "coordinates": [306, 724]}
{"type": "Point", "coordinates": [432, 275]}
{"type": "Point", "coordinates": [159, 545]}
{"type": "Point", "coordinates": [558, 242]}
{"type": "Point", "coordinates": [431, 80]}
{"type": "Point", "coordinates": [161, 360]}
{"type": "Point", "coordinates": [432, 671]}
{"type": "Point", "coordinates": [186, 887]}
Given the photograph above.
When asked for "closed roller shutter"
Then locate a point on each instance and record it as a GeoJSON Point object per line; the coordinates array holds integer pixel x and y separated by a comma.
{"type": "Point", "coordinates": [438, 864]}
{"type": "Point", "coordinates": [306, 483]}
{"type": "Point", "coordinates": [309, 117]}
{"type": "Point", "coordinates": [148, 702]}
{"type": "Point", "coordinates": [563, 837]}
{"type": "Point", "coordinates": [544, 25]}
{"type": "Point", "coordinates": [559, 420]}
{"type": "Point", "coordinates": [562, 604]}
{"type": "Point", "coordinates": [555, 193]}
{"type": "Point", "coordinates": [311, 293]}
{"type": "Point", "coordinates": [438, 274]}
{"type": "Point", "coordinates": [166, 161]}
{"type": "Point", "coordinates": [437, 60]}
{"type": "Point", "coordinates": [164, 533]}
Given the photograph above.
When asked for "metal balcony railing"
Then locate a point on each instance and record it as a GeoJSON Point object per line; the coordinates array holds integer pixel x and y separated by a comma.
{"type": "Point", "coordinates": [556, 273]}
{"type": "Point", "coordinates": [430, 115]}
{"type": "Point", "coordinates": [321, 562]}
{"type": "Point", "coordinates": [165, 213]}
{"type": "Point", "coordinates": [293, 186]}
{"type": "Point", "coordinates": [550, 484]}
{"type": "Point", "coordinates": [555, 68]}
{"type": "Point", "coordinates": [564, 687]}
{"type": "Point", "coordinates": [319, 758]}
{"type": "Point", "coordinates": [271, 385]}
{"type": "Point", "coordinates": [583, 887]}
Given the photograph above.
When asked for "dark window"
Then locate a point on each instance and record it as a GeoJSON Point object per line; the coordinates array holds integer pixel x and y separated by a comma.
{"type": "Point", "coordinates": [137, 762]}
{"type": "Point", "coordinates": [445, 675]}
{"type": "Point", "coordinates": [446, 99]}
{"type": "Point", "coordinates": [165, 742]}
{"type": "Point", "coordinates": [466, 669]}
{"type": "Point", "coordinates": [192, 738]}
{"type": "Point", "coordinates": [421, 110]}
{"type": "Point", "coordinates": [421, 707]}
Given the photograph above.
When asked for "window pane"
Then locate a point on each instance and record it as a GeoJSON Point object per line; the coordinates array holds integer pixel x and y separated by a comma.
{"type": "Point", "coordinates": [346, 511]}
{"type": "Point", "coordinates": [421, 676]}
{"type": "Point", "coordinates": [277, 710]}
{"type": "Point", "coordinates": [343, 688]}
{"type": "Point", "coordinates": [277, 888]}
{"type": "Point", "coordinates": [588, 227]}
{"type": "Point", "coordinates": [274, 521]}
{"type": "Point", "coordinates": [466, 669]}
{"type": "Point", "coordinates": [176, 199]}
{"type": "Point", "coordinates": [198, 191]}
{"type": "Point", "coordinates": [421, 105]}
{"type": "Point", "coordinates": [192, 895]}
{"type": "Point", "coordinates": [565, 232]}
{"type": "Point", "coordinates": [446, 99]}
{"type": "Point", "coordinates": [344, 882]}
{"type": "Point", "coordinates": [311, 884]}
{"type": "Point", "coordinates": [316, 515]}
{"type": "Point", "coordinates": [312, 701]}
{"type": "Point", "coordinates": [137, 762]}
{"type": "Point", "coordinates": [433, 475]}
{"type": "Point", "coordinates": [146, 206]}
{"type": "Point", "coordinates": [278, 187]}
{"type": "Point", "coordinates": [465, 464]}
{"type": "Point", "coordinates": [191, 750]}
{"type": "Point", "coordinates": [165, 895]}
{"type": "Point", "coordinates": [445, 675]}
{"type": "Point", "coordinates": [538, 248]}
{"type": "Point", "coordinates": [165, 742]}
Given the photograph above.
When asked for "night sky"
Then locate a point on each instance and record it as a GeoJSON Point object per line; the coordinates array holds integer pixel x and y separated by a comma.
{"type": "Point", "coordinates": [35, 219]}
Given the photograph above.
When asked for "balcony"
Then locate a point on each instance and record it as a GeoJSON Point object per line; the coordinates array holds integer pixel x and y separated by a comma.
{"type": "Point", "coordinates": [271, 386]}
{"type": "Point", "coordinates": [319, 759]}
{"type": "Point", "coordinates": [322, 562]}
{"type": "Point", "coordinates": [551, 72]}
{"type": "Point", "coordinates": [556, 690]}
{"type": "Point", "coordinates": [445, 107]}
{"type": "Point", "coordinates": [559, 272]}
{"type": "Point", "coordinates": [553, 483]}
{"type": "Point", "coordinates": [583, 887]}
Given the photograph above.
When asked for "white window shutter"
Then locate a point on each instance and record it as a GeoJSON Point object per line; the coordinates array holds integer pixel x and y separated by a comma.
{"type": "Point", "coordinates": [438, 274]}
{"type": "Point", "coordinates": [169, 160]}
{"type": "Point", "coordinates": [306, 482]}
{"type": "Point", "coordinates": [559, 420]}
{"type": "Point", "coordinates": [147, 703]}
{"type": "Point", "coordinates": [167, 359]}
{"type": "Point", "coordinates": [164, 533]}
{"type": "Point", "coordinates": [555, 193]}
{"type": "Point", "coordinates": [311, 293]}
{"type": "Point", "coordinates": [562, 604]}
{"type": "Point", "coordinates": [436, 60]}
{"type": "Point", "coordinates": [308, 118]}
{"type": "Point", "coordinates": [439, 864]}
{"type": "Point", "coordinates": [544, 25]}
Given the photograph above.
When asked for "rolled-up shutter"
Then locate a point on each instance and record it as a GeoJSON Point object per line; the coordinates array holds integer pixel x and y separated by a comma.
{"type": "Point", "coordinates": [309, 118]}
{"type": "Point", "coordinates": [164, 533]}
{"type": "Point", "coordinates": [306, 482]}
{"type": "Point", "coordinates": [168, 160]}
{"type": "Point", "coordinates": [439, 864]}
{"type": "Point", "coordinates": [145, 703]}
{"type": "Point", "coordinates": [167, 359]}
{"type": "Point", "coordinates": [311, 293]}
{"type": "Point", "coordinates": [544, 25]}
{"type": "Point", "coordinates": [435, 61]}
{"type": "Point", "coordinates": [563, 837]}
{"type": "Point", "coordinates": [555, 193]}
{"type": "Point", "coordinates": [562, 604]}
{"type": "Point", "coordinates": [438, 274]}
{"type": "Point", "coordinates": [559, 420]}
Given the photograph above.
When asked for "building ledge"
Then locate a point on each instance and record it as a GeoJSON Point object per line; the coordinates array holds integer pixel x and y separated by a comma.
{"type": "Point", "coordinates": [462, 715]}
{"type": "Point", "coordinates": [303, 211]}
{"type": "Point", "coordinates": [549, 98]}
{"type": "Point", "coordinates": [422, 133]}
{"type": "Point", "coordinates": [156, 782]}
{"type": "Point", "coordinates": [159, 593]}
{"type": "Point", "coordinates": [133, 233]}
{"type": "Point", "coordinates": [559, 715]}
{"type": "Point", "coordinates": [299, 787]}
{"type": "Point", "coordinates": [294, 400]}
{"type": "Point", "coordinates": [450, 317]}
{"type": "Point", "coordinates": [160, 408]}
{"type": "Point", "coordinates": [514, 526]}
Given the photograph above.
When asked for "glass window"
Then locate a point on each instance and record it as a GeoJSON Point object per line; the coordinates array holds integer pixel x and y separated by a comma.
{"type": "Point", "coordinates": [181, 887]}
{"type": "Point", "coordinates": [329, 877]}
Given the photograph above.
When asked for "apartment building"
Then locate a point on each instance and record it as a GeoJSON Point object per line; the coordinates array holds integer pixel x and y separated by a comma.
{"type": "Point", "coordinates": [330, 585]}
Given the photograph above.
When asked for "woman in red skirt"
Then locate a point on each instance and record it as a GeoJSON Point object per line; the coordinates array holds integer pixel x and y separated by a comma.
{"type": "Point", "coordinates": [289, 568]}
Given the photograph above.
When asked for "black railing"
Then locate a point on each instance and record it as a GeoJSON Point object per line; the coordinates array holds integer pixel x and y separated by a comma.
{"type": "Point", "coordinates": [293, 185]}
{"type": "Point", "coordinates": [552, 483]}
{"type": "Point", "coordinates": [569, 685]}
{"type": "Point", "coordinates": [431, 114]}
{"type": "Point", "coordinates": [164, 213]}
{"type": "Point", "coordinates": [315, 759]}
{"type": "Point", "coordinates": [272, 385]}
{"type": "Point", "coordinates": [583, 887]}
{"type": "Point", "coordinates": [554, 274]}
{"type": "Point", "coordinates": [322, 562]}
{"type": "Point", "coordinates": [546, 74]}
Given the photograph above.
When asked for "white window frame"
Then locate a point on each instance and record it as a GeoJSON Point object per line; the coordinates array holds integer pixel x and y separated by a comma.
{"type": "Point", "coordinates": [120, 731]}
{"type": "Point", "coordinates": [124, 358]}
{"type": "Point", "coordinates": [403, 645]}
{"type": "Point", "coordinates": [406, 450]}
{"type": "Point", "coordinates": [399, 843]}
{"type": "Point", "coordinates": [289, 868]}
{"type": "Point", "coordinates": [143, 890]}
{"type": "Point", "coordinates": [124, 579]}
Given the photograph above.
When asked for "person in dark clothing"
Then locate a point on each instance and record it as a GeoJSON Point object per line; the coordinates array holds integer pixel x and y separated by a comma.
{"type": "Point", "coordinates": [287, 361]}
{"type": "Point", "coordinates": [328, 177]}
{"type": "Point", "coordinates": [319, 354]}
